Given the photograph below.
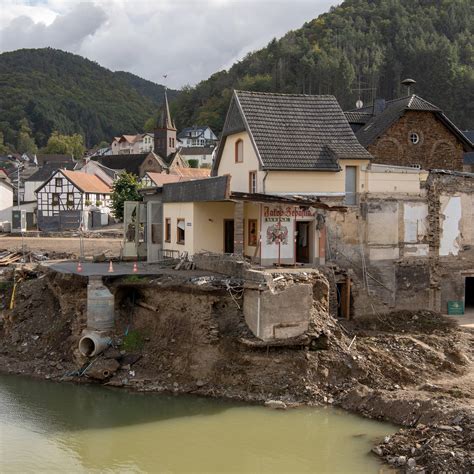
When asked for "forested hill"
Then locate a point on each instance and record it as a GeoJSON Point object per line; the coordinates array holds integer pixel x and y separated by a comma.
{"type": "Point", "coordinates": [366, 44]}
{"type": "Point", "coordinates": [55, 90]}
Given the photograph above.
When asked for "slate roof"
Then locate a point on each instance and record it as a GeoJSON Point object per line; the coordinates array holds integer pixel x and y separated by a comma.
{"type": "Point", "coordinates": [186, 132]}
{"type": "Point", "coordinates": [87, 183]}
{"type": "Point", "coordinates": [43, 159]}
{"type": "Point", "coordinates": [47, 170]}
{"type": "Point", "coordinates": [376, 125]}
{"type": "Point", "coordinates": [469, 158]}
{"type": "Point", "coordinates": [469, 134]}
{"type": "Point", "coordinates": [129, 163]}
{"type": "Point", "coordinates": [196, 150]}
{"type": "Point", "coordinates": [297, 131]}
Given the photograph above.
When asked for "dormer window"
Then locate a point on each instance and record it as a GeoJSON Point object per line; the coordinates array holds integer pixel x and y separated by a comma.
{"type": "Point", "coordinates": [239, 151]}
{"type": "Point", "coordinates": [414, 138]}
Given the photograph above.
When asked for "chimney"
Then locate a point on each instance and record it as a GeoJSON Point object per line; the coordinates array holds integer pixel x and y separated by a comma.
{"type": "Point", "coordinates": [379, 106]}
{"type": "Point", "coordinates": [408, 83]}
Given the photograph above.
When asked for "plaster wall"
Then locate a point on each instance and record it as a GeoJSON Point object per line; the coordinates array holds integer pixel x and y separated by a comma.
{"type": "Point", "coordinates": [240, 171]}
{"type": "Point", "coordinates": [6, 201]}
{"type": "Point", "coordinates": [315, 182]}
{"type": "Point", "coordinates": [208, 225]}
{"type": "Point", "coordinates": [175, 211]}
{"type": "Point", "coordinates": [451, 215]}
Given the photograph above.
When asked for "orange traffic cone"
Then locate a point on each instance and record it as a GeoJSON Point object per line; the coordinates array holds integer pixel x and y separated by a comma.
{"type": "Point", "coordinates": [135, 267]}
{"type": "Point", "coordinates": [111, 267]}
{"type": "Point", "coordinates": [79, 267]}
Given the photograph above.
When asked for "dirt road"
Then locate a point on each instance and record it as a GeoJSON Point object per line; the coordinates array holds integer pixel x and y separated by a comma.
{"type": "Point", "coordinates": [92, 246]}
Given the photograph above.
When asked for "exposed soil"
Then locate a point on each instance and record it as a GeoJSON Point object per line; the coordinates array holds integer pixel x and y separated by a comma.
{"type": "Point", "coordinates": [185, 334]}
{"type": "Point", "coordinates": [71, 245]}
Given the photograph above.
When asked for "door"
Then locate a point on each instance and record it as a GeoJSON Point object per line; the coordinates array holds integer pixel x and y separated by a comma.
{"type": "Point", "coordinates": [229, 236]}
{"type": "Point", "coordinates": [302, 242]}
{"type": "Point", "coordinates": [351, 185]}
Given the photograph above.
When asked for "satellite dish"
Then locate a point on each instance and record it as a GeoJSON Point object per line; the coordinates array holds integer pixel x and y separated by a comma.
{"type": "Point", "coordinates": [359, 104]}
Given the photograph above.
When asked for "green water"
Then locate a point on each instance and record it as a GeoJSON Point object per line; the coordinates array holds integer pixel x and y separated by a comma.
{"type": "Point", "coordinates": [49, 427]}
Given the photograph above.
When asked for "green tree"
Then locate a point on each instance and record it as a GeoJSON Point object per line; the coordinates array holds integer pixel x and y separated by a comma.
{"type": "Point", "coordinates": [65, 145]}
{"type": "Point", "coordinates": [4, 149]}
{"type": "Point", "coordinates": [25, 142]}
{"type": "Point", "coordinates": [125, 188]}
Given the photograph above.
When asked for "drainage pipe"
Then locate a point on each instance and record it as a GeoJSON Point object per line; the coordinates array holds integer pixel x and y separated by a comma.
{"type": "Point", "coordinates": [93, 343]}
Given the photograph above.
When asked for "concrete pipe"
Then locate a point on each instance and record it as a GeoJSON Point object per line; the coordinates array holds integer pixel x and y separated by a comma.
{"type": "Point", "coordinates": [93, 344]}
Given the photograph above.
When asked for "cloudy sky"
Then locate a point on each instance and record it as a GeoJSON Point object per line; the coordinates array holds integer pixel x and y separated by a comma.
{"type": "Point", "coordinates": [186, 39]}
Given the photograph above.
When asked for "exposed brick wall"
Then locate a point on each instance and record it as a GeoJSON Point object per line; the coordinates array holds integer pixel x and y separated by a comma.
{"type": "Point", "coordinates": [437, 148]}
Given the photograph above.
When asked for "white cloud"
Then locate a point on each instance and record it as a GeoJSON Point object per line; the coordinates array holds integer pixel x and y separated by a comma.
{"type": "Point", "coordinates": [186, 39]}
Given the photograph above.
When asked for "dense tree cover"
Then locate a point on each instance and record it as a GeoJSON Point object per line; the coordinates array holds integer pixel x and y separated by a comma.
{"type": "Point", "coordinates": [361, 44]}
{"type": "Point", "coordinates": [125, 188]}
{"type": "Point", "coordinates": [46, 90]}
{"type": "Point", "coordinates": [65, 145]}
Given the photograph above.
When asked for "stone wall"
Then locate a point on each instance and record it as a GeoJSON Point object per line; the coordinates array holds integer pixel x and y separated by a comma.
{"type": "Point", "coordinates": [438, 148]}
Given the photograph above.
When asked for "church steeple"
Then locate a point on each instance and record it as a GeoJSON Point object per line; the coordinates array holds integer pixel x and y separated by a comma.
{"type": "Point", "coordinates": [165, 133]}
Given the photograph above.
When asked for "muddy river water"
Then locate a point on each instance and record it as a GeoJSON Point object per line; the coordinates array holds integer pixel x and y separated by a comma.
{"type": "Point", "coordinates": [50, 427]}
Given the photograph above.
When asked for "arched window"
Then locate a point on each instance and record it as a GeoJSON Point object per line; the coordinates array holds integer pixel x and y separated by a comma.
{"type": "Point", "coordinates": [239, 151]}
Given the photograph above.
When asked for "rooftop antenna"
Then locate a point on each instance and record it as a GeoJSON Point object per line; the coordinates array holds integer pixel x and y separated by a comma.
{"type": "Point", "coordinates": [359, 89]}
{"type": "Point", "coordinates": [408, 83]}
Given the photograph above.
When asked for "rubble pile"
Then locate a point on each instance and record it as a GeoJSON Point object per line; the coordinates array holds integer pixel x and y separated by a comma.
{"type": "Point", "coordinates": [440, 447]}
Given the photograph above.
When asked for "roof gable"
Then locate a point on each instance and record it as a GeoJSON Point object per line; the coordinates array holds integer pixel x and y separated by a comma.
{"type": "Point", "coordinates": [129, 163]}
{"type": "Point", "coordinates": [296, 131]}
{"type": "Point", "coordinates": [374, 125]}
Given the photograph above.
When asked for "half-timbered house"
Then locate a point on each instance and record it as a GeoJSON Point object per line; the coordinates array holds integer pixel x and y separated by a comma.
{"type": "Point", "coordinates": [71, 199]}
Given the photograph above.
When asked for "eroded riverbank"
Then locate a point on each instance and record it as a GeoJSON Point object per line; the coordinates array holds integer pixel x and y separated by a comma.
{"type": "Point", "coordinates": [176, 335]}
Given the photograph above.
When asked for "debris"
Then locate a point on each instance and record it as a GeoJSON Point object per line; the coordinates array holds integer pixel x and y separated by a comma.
{"type": "Point", "coordinates": [276, 404]}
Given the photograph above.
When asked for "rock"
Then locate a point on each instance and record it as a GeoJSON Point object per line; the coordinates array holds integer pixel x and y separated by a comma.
{"type": "Point", "coordinates": [402, 460]}
{"type": "Point", "coordinates": [276, 404]}
{"type": "Point", "coordinates": [112, 353]}
{"type": "Point", "coordinates": [386, 439]}
{"type": "Point", "coordinates": [200, 383]}
{"type": "Point", "coordinates": [411, 463]}
{"type": "Point", "coordinates": [175, 384]}
{"type": "Point", "coordinates": [323, 372]}
{"type": "Point", "coordinates": [377, 450]}
{"type": "Point", "coordinates": [102, 369]}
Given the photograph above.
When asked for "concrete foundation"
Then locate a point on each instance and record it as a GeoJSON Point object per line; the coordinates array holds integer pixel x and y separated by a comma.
{"type": "Point", "coordinates": [278, 315]}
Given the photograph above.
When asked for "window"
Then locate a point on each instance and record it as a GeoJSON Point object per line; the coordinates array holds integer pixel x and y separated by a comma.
{"type": "Point", "coordinates": [252, 236]}
{"type": "Point", "coordinates": [167, 229]}
{"type": "Point", "coordinates": [414, 138]}
{"type": "Point", "coordinates": [239, 151]}
{"type": "Point", "coordinates": [55, 200]}
{"type": "Point", "coordinates": [180, 231]}
{"type": "Point", "coordinates": [252, 181]}
{"type": "Point", "coordinates": [59, 182]}
{"type": "Point", "coordinates": [70, 200]}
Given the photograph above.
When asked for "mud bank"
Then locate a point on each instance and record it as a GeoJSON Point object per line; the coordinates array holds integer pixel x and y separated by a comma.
{"type": "Point", "coordinates": [184, 334]}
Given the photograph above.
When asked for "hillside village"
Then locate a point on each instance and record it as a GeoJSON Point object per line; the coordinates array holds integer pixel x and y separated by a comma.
{"type": "Point", "coordinates": [306, 219]}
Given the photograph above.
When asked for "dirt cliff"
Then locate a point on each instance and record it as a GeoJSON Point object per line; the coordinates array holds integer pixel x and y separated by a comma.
{"type": "Point", "coordinates": [187, 334]}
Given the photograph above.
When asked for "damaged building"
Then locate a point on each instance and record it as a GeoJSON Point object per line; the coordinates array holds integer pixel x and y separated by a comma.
{"type": "Point", "coordinates": [285, 192]}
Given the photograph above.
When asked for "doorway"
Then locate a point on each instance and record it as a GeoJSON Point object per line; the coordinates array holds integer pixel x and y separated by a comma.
{"type": "Point", "coordinates": [469, 294]}
{"type": "Point", "coordinates": [302, 242]}
{"type": "Point", "coordinates": [228, 235]}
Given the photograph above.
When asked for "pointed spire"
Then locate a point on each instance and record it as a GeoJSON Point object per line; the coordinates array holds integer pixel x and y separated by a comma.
{"type": "Point", "coordinates": [165, 117]}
